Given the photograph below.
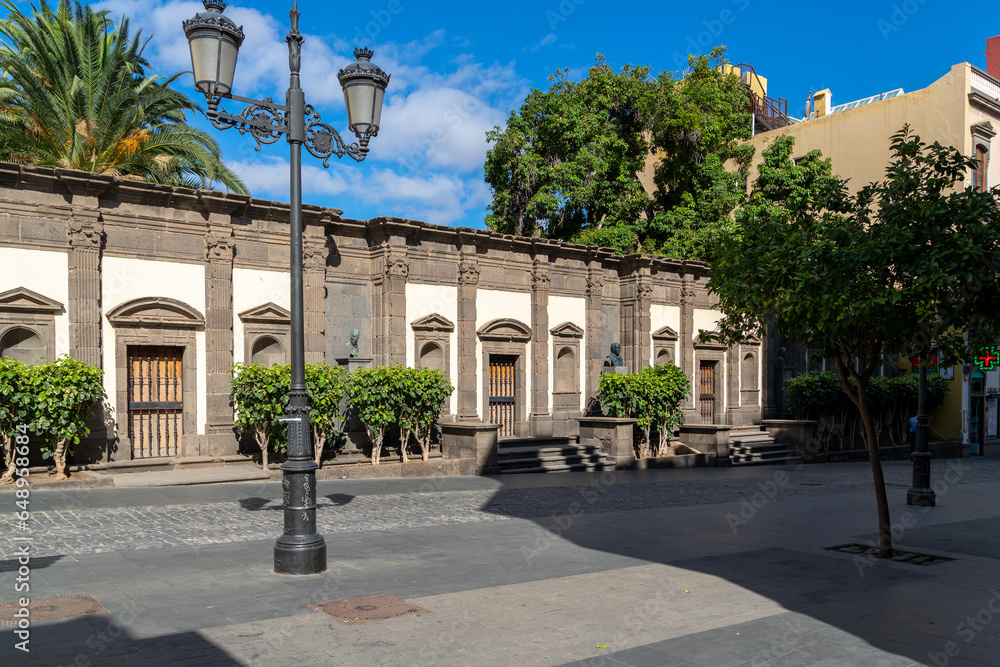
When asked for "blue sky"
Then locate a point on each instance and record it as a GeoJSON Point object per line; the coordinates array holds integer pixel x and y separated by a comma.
{"type": "Point", "coordinates": [458, 69]}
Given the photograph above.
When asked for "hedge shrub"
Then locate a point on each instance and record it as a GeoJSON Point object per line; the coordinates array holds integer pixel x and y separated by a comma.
{"type": "Point", "coordinates": [817, 395]}
{"type": "Point", "coordinates": [652, 397]}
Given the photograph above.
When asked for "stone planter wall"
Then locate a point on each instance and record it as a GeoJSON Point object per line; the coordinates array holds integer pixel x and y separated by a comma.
{"type": "Point", "coordinates": [712, 439]}
{"type": "Point", "coordinates": [613, 435]}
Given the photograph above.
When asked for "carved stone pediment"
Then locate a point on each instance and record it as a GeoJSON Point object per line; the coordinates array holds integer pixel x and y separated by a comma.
{"type": "Point", "coordinates": [21, 299]}
{"type": "Point", "coordinates": [156, 311]}
{"type": "Point", "coordinates": [269, 313]}
{"type": "Point", "coordinates": [665, 334]}
{"type": "Point", "coordinates": [433, 322]}
{"type": "Point", "coordinates": [505, 330]}
{"type": "Point", "coordinates": [567, 330]}
{"type": "Point", "coordinates": [752, 340]}
{"type": "Point", "coordinates": [708, 340]}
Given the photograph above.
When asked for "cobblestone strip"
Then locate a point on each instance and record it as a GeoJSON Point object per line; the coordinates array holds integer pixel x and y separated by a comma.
{"type": "Point", "coordinates": [149, 527]}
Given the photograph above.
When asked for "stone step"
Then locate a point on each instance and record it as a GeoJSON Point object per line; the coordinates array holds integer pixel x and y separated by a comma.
{"type": "Point", "coordinates": [786, 456]}
{"type": "Point", "coordinates": [751, 449]}
{"type": "Point", "coordinates": [529, 462]}
{"type": "Point", "coordinates": [551, 467]}
{"type": "Point", "coordinates": [513, 443]}
{"type": "Point", "coordinates": [757, 437]}
{"type": "Point", "coordinates": [567, 450]}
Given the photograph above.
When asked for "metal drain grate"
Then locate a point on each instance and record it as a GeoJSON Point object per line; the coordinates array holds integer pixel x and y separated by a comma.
{"type": "Point", "coordinates": [367, 608]}
{"type": "Point", "coordinates": [53, 609]}
{"type": "Point", "coordinates": [911, 557]}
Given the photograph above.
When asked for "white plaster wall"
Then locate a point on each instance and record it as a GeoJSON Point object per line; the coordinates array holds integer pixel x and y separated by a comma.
{"type": "Point", "coordinates": [492, 305]}
{"type": "Point", "coordinates": [705, 319]}
{"type": "Point", "coordinates": [41, 271]}
{"type": "Point", "coordinates": [252, 288]}
{"type": "Point", "coordinates": [664, 316]}
{"type": "Point", "coordinates": [423, 300]}
{"type": "Point", "coordinates": [568, 309]}
{"type": "Point", "coordinates": [124, 279]}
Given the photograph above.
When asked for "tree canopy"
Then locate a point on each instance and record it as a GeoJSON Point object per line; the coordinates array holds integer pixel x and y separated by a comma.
{"type": "Point", "coordinates": [76, 91]}
{"type": "Point", "coordinates": [908, 260]}
{"type": "Point", "coordinates": [567, 164]}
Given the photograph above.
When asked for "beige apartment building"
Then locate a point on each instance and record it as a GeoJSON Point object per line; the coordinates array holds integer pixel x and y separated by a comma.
{"type": "Point", "coordinates": [961, 109]}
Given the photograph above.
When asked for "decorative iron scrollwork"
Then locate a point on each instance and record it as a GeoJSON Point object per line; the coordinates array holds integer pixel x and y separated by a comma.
{"type": "Point", "coordinates": [324, 142]}
{"type": "Point", "coordinates": [264, 120]}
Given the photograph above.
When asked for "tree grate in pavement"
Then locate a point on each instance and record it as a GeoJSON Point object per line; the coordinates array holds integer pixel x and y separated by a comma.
{"type": "Point", "coordinates": [52, 609]}
{"type": "Point", "coordinates": [367, 608]}
{"type": "Point", "coordinates": [911, 557]}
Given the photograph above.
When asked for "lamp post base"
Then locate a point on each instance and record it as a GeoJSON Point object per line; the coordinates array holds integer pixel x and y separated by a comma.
{"type": "Point", "coordinates": [295, 555]}
{"type": "Point", "coordinates": [921, 497]}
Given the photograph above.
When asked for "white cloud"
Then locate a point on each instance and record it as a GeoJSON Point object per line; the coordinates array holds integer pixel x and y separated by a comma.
{"type": "Point", "coordinates": [432, 145]}
{"type": "Point", "coordinates": [545, 41]}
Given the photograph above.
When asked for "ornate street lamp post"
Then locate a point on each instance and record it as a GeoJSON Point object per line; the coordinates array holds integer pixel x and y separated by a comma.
{"type": "Point", "coordinates": [215, 42]}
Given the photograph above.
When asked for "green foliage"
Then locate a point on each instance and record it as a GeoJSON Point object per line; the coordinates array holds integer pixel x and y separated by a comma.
{"type": "Point", "coordinates": [76, 92]}
{"type": "Point", "coordinates": [567, 163]}
{"type": "Point", "coordinates": [15, 408]}
{"type": "Point", "coordinates": [260, 397]}
{"type": "Point", "coordinates": [818, 396]}
{"type": "Point", "coordinates": [62, 392]}
{"type": "Point", "coordinates": [652, 397]}
{"type": "Point", "coordinates": [908, 260]}
{"type": "Point", "coordinates": [375, 396]}
{"type": "Point", "coordinates": [433, 389]}
{"type": "Point", "coordinates": [326, 386]}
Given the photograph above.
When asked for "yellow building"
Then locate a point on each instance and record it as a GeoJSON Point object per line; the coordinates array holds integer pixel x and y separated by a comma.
{"type": "Point", "coordinates": [961, 109]}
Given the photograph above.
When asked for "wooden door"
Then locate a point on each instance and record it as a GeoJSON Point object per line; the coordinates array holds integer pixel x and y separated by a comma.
{"type": "Point", "coordinates": [155, 400]}
{"type": "Point", "coordinates": [503, 393]}
{"type": "Point", "coordinates": [706, 391]}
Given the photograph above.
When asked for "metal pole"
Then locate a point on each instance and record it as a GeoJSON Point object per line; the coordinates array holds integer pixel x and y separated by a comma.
{"type": "Point", "coordinates": [300, 550]}
{"type": "Point", "coordinates": [921, 492]}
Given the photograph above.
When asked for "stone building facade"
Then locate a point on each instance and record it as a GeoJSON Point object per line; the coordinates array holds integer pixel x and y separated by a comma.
{"type": "Point", "coordinates": [165, 288]}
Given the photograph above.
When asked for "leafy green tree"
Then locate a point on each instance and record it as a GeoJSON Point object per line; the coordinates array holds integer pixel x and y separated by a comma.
{"type": "Point", "coordinates": [433, 389]}
{"type": "Point", "coordinates": [327, 388]}
{"type": "Point", "coordinates": [375, 396]}
{"type": "Point", "coordinates": [76, 91]}
{"type": "Point", "coordinates": [567, 163]}
{"type": "Point", "coordinates": [15, 410]}
{"type": "Point", "coordinates": [652, 397]}
{"type": "Point", "coordinates": [864, 277]}
{"type": "Point", "coordinates": [62, 393]}
{"type": "Point", "coordinates": [260, 397]}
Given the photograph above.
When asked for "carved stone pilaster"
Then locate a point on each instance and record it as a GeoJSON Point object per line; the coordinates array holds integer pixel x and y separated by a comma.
{"type": "Point", "coordinates": [397, 268]}
{"type": "Point", "coordinates": [468, 377]}
{"type": "Point", "coordinates": [595, 294]}
{"type": "Point", "coordinates": [636, 341]}
{"type": "Point", "coordinates": [686, 336]}
{"type": "Point", "coordinates": [220, 247]}
{"type": "Point", "coordinates": [314, 255]}
{"type": "Point", "coordinates": [86, 241]}
{"type": "Point", "coordinates": [541, 419]}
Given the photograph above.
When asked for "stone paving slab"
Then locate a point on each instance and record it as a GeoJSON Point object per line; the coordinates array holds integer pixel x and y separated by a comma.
{"type": "Point", "coordinates": [189, 476]}
{"type": "Point", "coordinates": [672, 577]}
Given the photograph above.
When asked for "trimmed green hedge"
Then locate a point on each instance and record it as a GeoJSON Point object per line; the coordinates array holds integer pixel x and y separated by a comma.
{"type": "Point", "coordinates": [818, 396]}
{"type": "Point", "coordinates": [652, 397]}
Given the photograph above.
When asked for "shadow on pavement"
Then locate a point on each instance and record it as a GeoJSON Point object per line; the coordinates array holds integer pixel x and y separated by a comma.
{"type": "Point", "coordinates": [107, 640]}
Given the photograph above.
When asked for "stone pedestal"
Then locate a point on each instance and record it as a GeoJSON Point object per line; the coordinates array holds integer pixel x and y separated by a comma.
{"type": "Point", "coordinates": [476, 440]}
{"type": "Point", "coordinates": [708, 438]}
{"type": "Point", "coordinates": [353, 431]}
{"type": "Point", "coordinates": [620, 370]}
{"type": "Point", "coordinates": [614, 435]}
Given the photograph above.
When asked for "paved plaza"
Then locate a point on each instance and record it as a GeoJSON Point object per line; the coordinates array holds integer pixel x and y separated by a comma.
{"type": "Point", "coordinates": [707, 567]}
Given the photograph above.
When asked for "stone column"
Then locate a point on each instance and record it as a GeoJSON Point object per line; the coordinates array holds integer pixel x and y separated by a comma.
{"type": "Point", "coordinates": [397, 268]}
{"type": "Point", "coordinates": [220, 245]}
{"type": "Point", "coordinates": [643, 342]}
{"type": "Point", "coordinates": [541, 419]}
{"type": "Point", "coordinates": [733, 386]}
{"type": "Point", "coordinates": [468, 377]}
{"type": "Point", "coordinates": [686, 335]}
{"type": "Point", "coordinates": [314, 297]}
{"type": "Point", "coordinates": [595, 355]}
{"type": "Point", "coordinates": [86, 240]}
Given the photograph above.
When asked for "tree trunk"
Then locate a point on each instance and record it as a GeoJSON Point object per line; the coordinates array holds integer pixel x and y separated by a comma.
{"type": "Point", "coordinates": [882, 502]}
{"type": "Point", "coordinates": [7, 447]}
{"type": "Point", "coordinates": [425, 446]}
{"type": "Point", "coordinates": [404, 439]}
{"type": "Point", "coordinates": [376, 437]}
{"type": "Point", "coordinates": [319, 440]}
{"type": "Point", "coordinates": [60, 459]}
{"type": "Point", "coordinates": [261, 438]}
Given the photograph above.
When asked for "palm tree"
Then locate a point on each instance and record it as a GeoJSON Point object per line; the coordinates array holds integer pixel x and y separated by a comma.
{"type": "Point", "coordinates": [76, 92]}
